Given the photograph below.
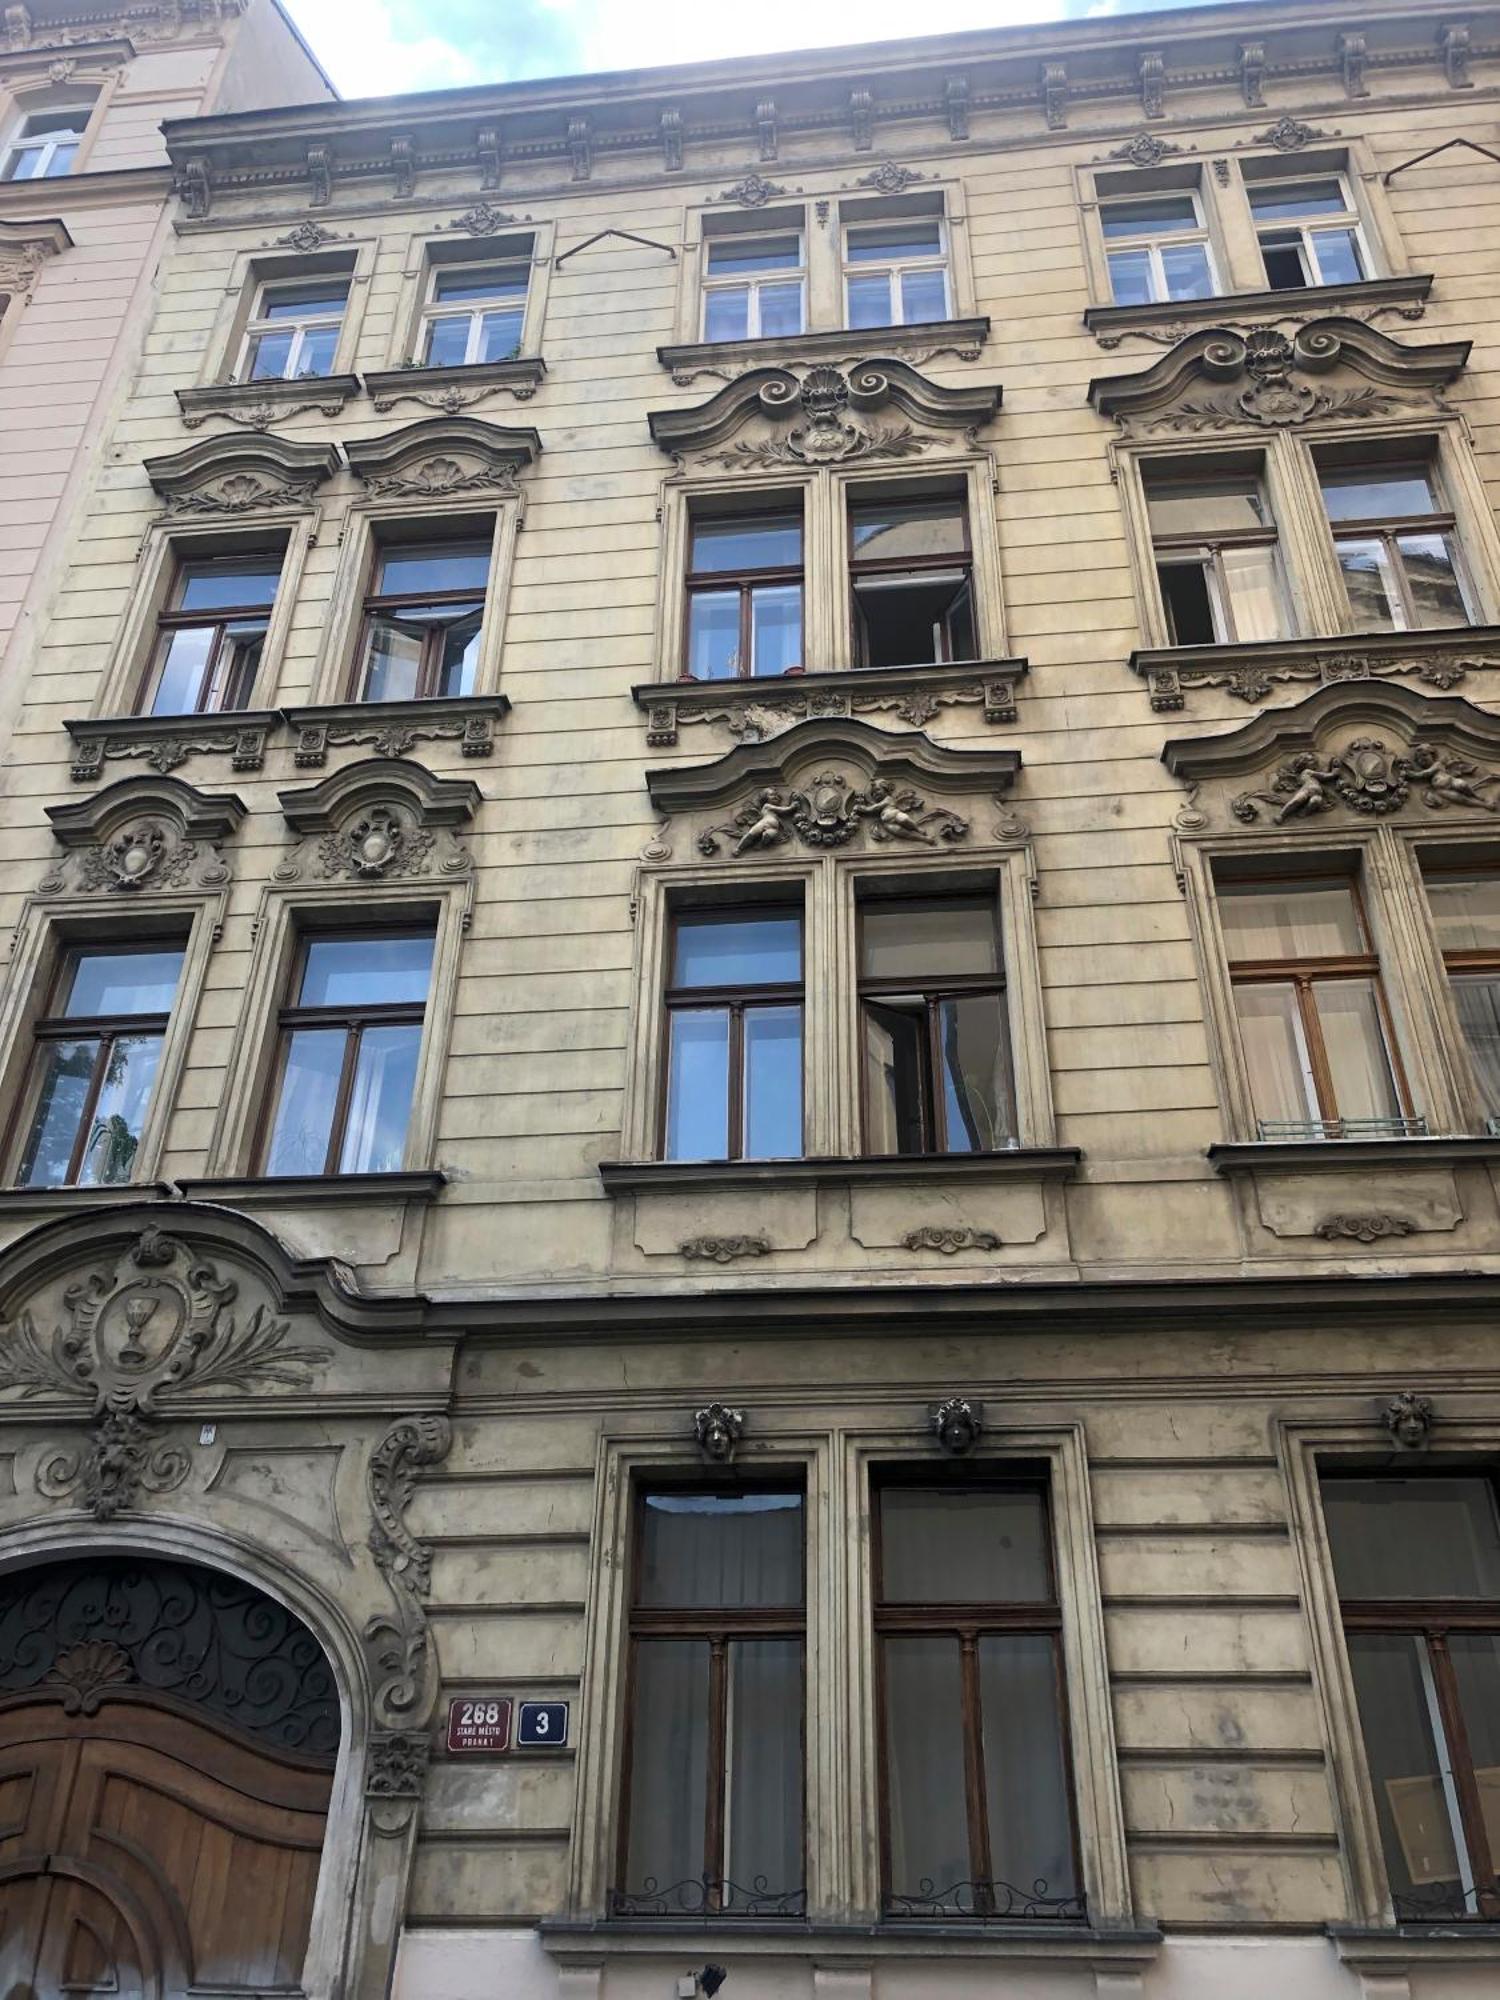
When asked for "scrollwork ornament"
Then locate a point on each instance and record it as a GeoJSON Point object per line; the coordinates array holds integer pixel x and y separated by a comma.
{"type": "Point", "coordinates": [1362, 1228]}
{"type": "Point", "coordinates": [957, 1424]}
{"type": "Point", "coordinates": [829, 812]}
{"type": "Point", "coordinates": [948, 1242]}
{"type": "Point", "coordinates": [724, 1249]}
{"type": "Point", "coordinates": [122, 1459]}
{"type": "Point", "coordinates": [397, 1766]}
{"type": "Point", "coordinates": [718, 1429]}
{"type": "Point", "coordinates": [1409, 1419]}
{"type": "Point", "coordinates": [401, 1645]}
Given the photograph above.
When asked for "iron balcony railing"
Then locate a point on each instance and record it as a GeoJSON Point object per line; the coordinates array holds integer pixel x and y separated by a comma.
{"type": "Point", "coordinates": [1342, 1128]}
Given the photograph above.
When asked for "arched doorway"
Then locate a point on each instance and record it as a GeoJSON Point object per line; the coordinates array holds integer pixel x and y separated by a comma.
{"type": "Point", "coordinates": [168, 1737]}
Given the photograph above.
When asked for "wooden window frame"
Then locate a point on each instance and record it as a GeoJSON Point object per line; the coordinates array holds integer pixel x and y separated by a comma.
{"type": "Point", "coordinates": [375, 604]}
{"type": "Point", "coordinates": [908, 565]}
{"type": "Point", "coordinates": [720, 1625]}
{"type": "Point", "coordinates": [293, 1015]}
{"type": "Point", "coordinates": [700, 583]}
{"type": "Point", "coordinates": [1301, 973]}
{"type": "Point", "coordinates": [259, 324]}
{"type": "Point", "coordinates": [974, 985]}
{"type": "Point", "coordinates": [750, 283]}
{"type": "Point", "coordinates": [1387, 528]}
{"type": "Point", "coordinates": [433, 309]}
{"type": "Point", "coordinates": [107, 1028]}
{"type": "Point", "coordinates": [169, 621]}
{"type": "Point", "coordinates": [893, 269]}
{"type": "Point", "coordinates": [679, 999]}
{"type": "Point", "coordinates": [968, 1622]}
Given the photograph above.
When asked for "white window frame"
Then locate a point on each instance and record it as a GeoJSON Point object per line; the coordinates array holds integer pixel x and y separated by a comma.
{"type": "Point", "coordinates": [259, 324]}
{"type": "Point", "coordinates": [1151, 242]}
{"type": "Point", "coordinates": [896, 269]}
{"type": "Point", "coordinates": [1448, 524]}
{"type": "Point", "coordinates": [434, 310]}
{"type": "Point", "coordinates": [1349, 223]}
{"type": "Point", "coordinates": [1207, 555]}
{"type": "Point", "coordinates": [748, 282]}
{"type": "Point", "coordinates": [49, 142]}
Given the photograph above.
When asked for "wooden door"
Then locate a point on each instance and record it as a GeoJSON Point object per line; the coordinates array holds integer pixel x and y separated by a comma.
{"type": "Point", "coordinates": [150, 1852]}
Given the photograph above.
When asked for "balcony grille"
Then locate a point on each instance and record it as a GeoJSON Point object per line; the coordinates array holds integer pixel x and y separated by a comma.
{"type": "Point", "coordinates": [986, 1903]}
{"type": "Point", "coordinates": [1342, 1128]}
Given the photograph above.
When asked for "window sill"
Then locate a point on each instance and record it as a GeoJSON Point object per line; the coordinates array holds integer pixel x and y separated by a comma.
{"type": "Point", "coordinates": [1023, 1163]}
{"type": "Point", "coordinates": [243, 402]}
{"type": "Point", "coordinates": [1334, 1155]}
{"type": "Point", "coordinates": [1439, 657]}
{"type": "Point", "coordinates": [581, 1943]}
{"type": "Point", "coordinates": [339, 1190]}
{"type": "Point", "coordinates": [37, 1202]}
{"type": "Point", "coordinates": [165, 741]}
{"type": "Point", "coordinates": [453, 389]}
{"type": "Point", "coordinates": [1456, 1941]}
{"type": "Point", "coordinates": [912, 694]}
{"type": "Point", "coordinates": [1174, 318]}
{"type": "Point", "coordinates": [962, 338]}
{"type": "Point", "coordinates": [392, 727]}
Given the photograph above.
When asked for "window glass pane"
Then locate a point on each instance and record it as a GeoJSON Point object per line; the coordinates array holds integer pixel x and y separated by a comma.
{"type": "Point", "coordinates": [385, 1075]}
{"type": "Point", "coordinates": [308, 1099]}
{"type": "Point", "coordinates": [974, 1051]}
{"type": "Point", "coordinates": [61, 161]}
{"type": "Point", "coordinates": [42, 124]}
{"type": "Point", "coordinates": [26, 163]}
{"type": "Point", "coordinates": [1432, 579]}
{"type": "Point", "coordinates": [1476, 1668]}
{"type": "Point", "coordinates": [1185, 268]}
{"type": "Point", "coordinates": [460, 660]}
{"type": "Point", "coordinates": [1281, 1078]}
{"type": "Point", "coordinates": [1157, 217]}
{"type": "Point", "coordinates": [1274, 201]}
{"type": "Point", "coordinates": [924, 296]}
{"type": "Point", "coordinates": [884, 531]}
{"type": "Point", "coordinates": [759, 542]}
{"type": "Point", "coordinates": [928, 942]}
{"type": "Point", "coordinates": [67, 1075]}
{"type": "Point", "coordinates": [460, 566]}
{"type": "Point", "coordinates": [1206, 507]}
{"type": "Point", "coordinates": [447, 342]}
{"type": "Point", "coordinates": [1423, 1538]}
{"type": "Point", "coordinates": [870, 299]}
{"type": "Point", "coordinates": [1354, 1040]}
{"type": "Point", "coordinates": [1337, 253]}
{"type": "Point", "coordinates": [1476, 996]}
{"type": "Point", "coordinates": [1377, 493]}
{"type": "Point", "coordinates": [895, 1070]}
{"type": "Point", "coordinates": [780, 309]}
{"type": "Point", "coordinates": [754, 253]}
{"type": "Point", "coordinates": [775, 628]}
{"type": "Point", "coordinates": [1287, 270]}
{"type": "Point", "coordinates": [698, 1084]}
{"type": "Point", "coordinates": [321, 300]}
{"type": "Point", "coordinates": [720, 1550]}
{"type": "Point", "coordinates": [953, 1545]}
{"type": "Point", "coordinates": [929, 1829]}
{"type": "Point", "coordinates": [487, 281]}
{"type": "Point", "coordinates": [1253, 583]}
{"type": "Point", "coordinates": [763, 1772]}
{"type": "Point", "coordinates": [500, 336]}
{"type": "Point", "coordinates": [268, 357]}
{"type": "Point", "coordinates": [1374, 599]}
{"type": "Point", "coordinates": [217, 585]}
{"type": "Point", "coordinates": [668, 1765]}
{"type": "Point", "coordinates": [1290, 920]}
{"type": "Point", "coordinates": [1466, 911]}
{"type": "Point", "coordinates": [120, 1110]}
{"type": "Point", "coordinates": [185, 658]}
{"type": "Point", "coordinates": [1131, 279]}
{"type": "Point", "coordinates": [1414, 1799]}
{"type": "Point", "coordinates": [773, 1083]}
{"type": "Point", "coordinates": [393, 661]}
{"type": "Point", "coordinates": [318, 347]}
{"type": "Point", "coordinates": [367, 971]}
{"type": "Point", "coordinates": [1025, 1777]}
{"type": "Point", "coordinates": [123, 982]}
{"type": "Point", "coordinates": [713, 652]}
{"type": "Point", "coordinates": [892, 242]}
{"type": "Point", "coordinates": [726, 313]}
{"type": "Point", "coordinates": [738, 950]}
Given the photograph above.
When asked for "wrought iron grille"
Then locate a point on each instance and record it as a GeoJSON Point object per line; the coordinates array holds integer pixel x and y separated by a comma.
{"type": "Point", "coordinates": [85, 1631]}
{"type": "Point", "coordinates": [986, 1902]}
{"type": "Point", "coordinates": [1441, 1903]}
{"type": "Point", "coordinates": [709, 1898]}
{"type": "Point", "coordinates": [1342, 1128]}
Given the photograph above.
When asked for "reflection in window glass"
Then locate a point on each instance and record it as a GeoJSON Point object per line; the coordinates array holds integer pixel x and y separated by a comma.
{"type": "Point", "coordinates": [734, 1036]}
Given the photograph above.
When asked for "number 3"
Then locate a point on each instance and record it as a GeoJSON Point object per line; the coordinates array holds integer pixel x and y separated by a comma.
{"type": "Point", "coordinates": [543, 1723]}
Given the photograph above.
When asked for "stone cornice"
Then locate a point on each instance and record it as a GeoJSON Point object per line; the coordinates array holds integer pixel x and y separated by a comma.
{"type": "Point", "coordinates": [453, 390]}
{"type": "Point", "coordinates": [241, 472]}
{"type": "Point", "coordinates": [257, 406]}
{"type": "Point", "coordinates": [1171, 320]}
{"type": "Point", "coordinates": [1338, 1155]}
{"type": "Point", "coordinates": [754, 711]}
{"type": "Point", "coordinates": [1440, 658]}
{"type": "Point", "coordinates": [1023, 1163]}
{"type": "Point", "coordinates": [960, 338]}
{"type": "Point", "coordinates": [86, 190]}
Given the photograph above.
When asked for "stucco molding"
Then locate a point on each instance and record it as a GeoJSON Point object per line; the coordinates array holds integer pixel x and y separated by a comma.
{"type": "Point", "coordinates": [725, 360]}
{"type": "Point", "coordinates": [1168, 321]}
{"type": "Point", "coordinates": [382, 818]}
{"type": "Point", "coordinates": [25, 247]}
{"type": "Point", "coordinates": [755, 711]}
{"type": "Point", "coordinates": [142, 833]}
{"type": "Point", "coordinates": [452, 390]}
{"type": "Point", "coordinates": [442, 458]}
{"type": "Point", "coordinates": [260, 406]}
{"type": "Point", "coordinates": [242, 472]}
{"type": "Point", "coordinates": [1252, 673]}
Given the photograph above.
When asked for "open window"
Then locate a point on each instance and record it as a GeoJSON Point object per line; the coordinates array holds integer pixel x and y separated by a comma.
{"type": "Point", "coordinates": [1309, 231]}
{"type": "Point", "coordinates": [911, 573]}
{"type": "Point", "coordinates": [1215, 547]}
{"type": "Point", "coordinates": [1464, 898]}
{"type": "Point", "coordinates": [211, 632]}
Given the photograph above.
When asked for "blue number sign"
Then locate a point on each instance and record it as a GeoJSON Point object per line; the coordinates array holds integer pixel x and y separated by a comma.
{"type": "Point", "coordinates": [543, 1725]}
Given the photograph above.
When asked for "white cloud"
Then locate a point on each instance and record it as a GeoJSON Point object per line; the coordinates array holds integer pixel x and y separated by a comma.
{"type": "Point", "coordinates": [367, 55]}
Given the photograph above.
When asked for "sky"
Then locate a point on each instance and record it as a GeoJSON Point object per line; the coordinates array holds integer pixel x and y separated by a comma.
{"type": "Point", "coordinates": [373, 47]}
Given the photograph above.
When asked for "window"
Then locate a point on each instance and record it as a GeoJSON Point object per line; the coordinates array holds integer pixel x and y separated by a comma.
{"type": "Point", "coordinates": [734, 1036]}
{"type": "Point", "coordinates": [1312, 1017]}
{"type": "Point", "coordinates": [937, 1047]}
{"type": "Point", "coordinates": [294, 331]}
{"type": "Point", "coordinates": [895, 273]}
{"type": "Point", "coordinates": [1417, 1564]}
{"type": "Point", "coordinates": [911, 572]}
{"type": "Point", "coordinates": [977, 1816]}
{"type": "Point", "coordinates": [1157, 248]}
{"type": "Point", "coordinates": [754, 286]}
{"type": "Point", "coordinates": [476, 312]}
{"type": "Point", "coordinates": [1217, 566]}
{"type": "Point", "coordinates": [1396, 546]}
{"type": "Point", "coordinates": [744, 591]}
{"type": "Point", "coordinates": [1466, 912]}
{"type": "Point", "coordinates": [423, 619]}
{"type": "Point", "coordinates": [1309, 233]}
{"type": "Point", "coordinates": [713, 1769]}
{"type": "Point", "coordinates": [209, 639]}
{"type": "Point", "coordinates": [46, 145]}
{"type": "Point", "coordinates": [96, 1061]}
{"type": "Point", "coordinates": [347, 1062]}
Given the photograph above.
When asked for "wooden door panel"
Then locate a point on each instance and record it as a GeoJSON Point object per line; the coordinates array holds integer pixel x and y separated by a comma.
{"type": "Point", "coordinates": [23, 1912]}
{"type": "Point", "coordinates": [37, 1763]}
{"type": "Point", "coordinates": [88, 1948]}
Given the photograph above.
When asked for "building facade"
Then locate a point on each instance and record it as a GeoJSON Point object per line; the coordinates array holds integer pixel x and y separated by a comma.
{"type": "Point", "coordinates": [750, 1066]}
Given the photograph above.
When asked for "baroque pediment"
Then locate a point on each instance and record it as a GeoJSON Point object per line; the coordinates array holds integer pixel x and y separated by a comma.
{"type": "Point", "coordinates": [384, 819]}
{"type": "Point", "coordinates": [821, 413]}
{"type": "Point", "coordinates": [1270, 379]}
{"type": "Point", "coordinates": [829, 783]}
{"type": "Point", "coordinates": [141, 835]}
{"type": "Point", "coordinates": [1357, 751]}
{"type": "Point", "coordinates": [440, 458]}
{"type": "Point", "coordinates": [245, 472]}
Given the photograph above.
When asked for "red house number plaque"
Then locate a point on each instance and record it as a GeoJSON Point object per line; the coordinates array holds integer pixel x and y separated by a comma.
{"type": "Point", "coordinates": [478, 1725]}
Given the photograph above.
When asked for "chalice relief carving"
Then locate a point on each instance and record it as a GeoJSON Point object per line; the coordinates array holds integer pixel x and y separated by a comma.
{"type": "Point", "coordinates": [138, 1328]}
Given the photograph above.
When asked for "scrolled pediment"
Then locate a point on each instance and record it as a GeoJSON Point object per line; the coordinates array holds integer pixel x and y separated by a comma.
{"type": "Point", "coordinates": [1222, 379]}
{"type": "Point", "coordinates": [144, 833]}
{"type": "Point", "coordinates": [241, 473]}
{"type": "Point", "coordinates": [1351, 752]}
{"type": "Point", "coordinates": [829, 783]}
{"type": "Point", "coordinates": [438, 458]}
{"type": "Point", "coordinates": [25, 247]}
{"type": "Point", "coordinates": [822, 414]}
{"type": "Point", "coordinates": [382, 819]}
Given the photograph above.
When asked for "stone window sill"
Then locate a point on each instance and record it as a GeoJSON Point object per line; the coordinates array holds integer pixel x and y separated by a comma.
{"type": "Point", "coordinates": [962, 338]}
{"type": "Point", "coordinates": [1177, 317]}
{"type": "Point", "coordinates": [37, 1202]}
{"type": "Point", "coordinates": [588, 1942]}
{"type": "Point", "coordinates": [336, 1190]}
{"type": "Point", "coordinates": [165, 741]}
{"type": "Point", "coordinates": [258, 406]}
{"type": "Point", "coordinates": [1334, 1155]}
{"type": "Point", "coordinates": [452, 389]}
{"type": "Point", "coordinates": [1469, 1940]}
{"type": "Point", "coordinates": [912, 694]}
{"type": "Point", "coordinates": [1440, 658]}
{"type": "Point", "coordinates": [1026, 1163]}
